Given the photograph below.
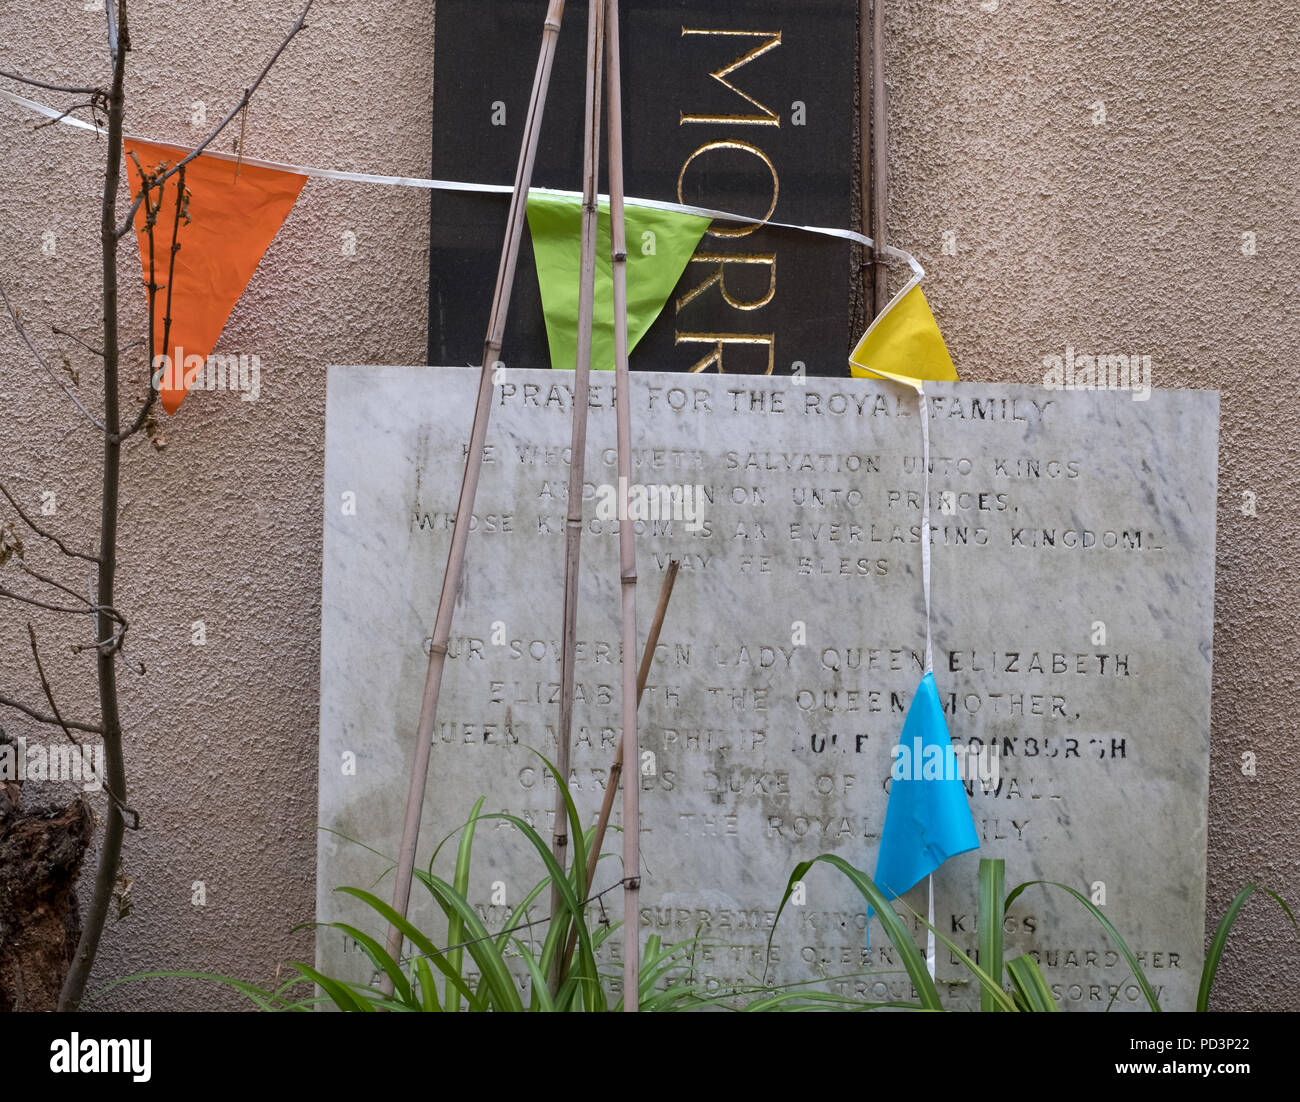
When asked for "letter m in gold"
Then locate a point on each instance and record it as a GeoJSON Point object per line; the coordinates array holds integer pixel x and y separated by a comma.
{"type": "Point", "coordinates": [766, 116]}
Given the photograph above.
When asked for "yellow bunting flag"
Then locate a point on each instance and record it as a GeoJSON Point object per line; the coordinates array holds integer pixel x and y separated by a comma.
{"type": "Point", "coordinates": [904, 344]}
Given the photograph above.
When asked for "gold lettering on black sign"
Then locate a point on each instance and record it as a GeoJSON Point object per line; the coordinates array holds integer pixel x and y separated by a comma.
{"type": "Point", "coordinates": [770, 40]}
{"type": "Point", "coordinates": [718, 340]}
{"type": "Point", "coordinates": [720, 278]}
{"type": "Point", "coordinates": [768, 116]}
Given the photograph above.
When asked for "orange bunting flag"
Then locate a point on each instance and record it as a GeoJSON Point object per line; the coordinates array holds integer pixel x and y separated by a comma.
{"type": "Point", "coordinates": [232, 221]}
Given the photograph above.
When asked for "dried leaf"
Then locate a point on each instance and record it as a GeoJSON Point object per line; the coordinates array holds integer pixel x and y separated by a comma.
{"type": "Point", "coordinates": [10, 545]}
{"type": "Point", "coordinates": [71, 371]}
{"type": "Point", "coordinates": [122, 894]}
{"type": "Point", "coordinates": [153, 429]}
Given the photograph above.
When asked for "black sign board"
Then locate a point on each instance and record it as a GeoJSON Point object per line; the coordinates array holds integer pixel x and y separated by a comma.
{"type": "Point", "coordinates": [744, 106]}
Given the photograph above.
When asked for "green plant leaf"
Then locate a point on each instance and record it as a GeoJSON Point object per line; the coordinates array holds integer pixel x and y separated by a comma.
{"type": "Point", "coordinates": [342, 997]}
{"type": "Point", "coordinates": [482, 945]}
{"type": "Point", "coordinates": [455, 925]}
{"type": "Point", "coordinates": [657, 962]}
{"type": "Point", "coordinates": [417, 938]}
{"type": "Point", "coordinates": [675, 998]}
{"type": "Point", "coordinates": [541, 1000]}
{"type": "Point", "coordinates": [264, 999]}
{"type": "Point", "coordinates": [987, 982]}
{"type": "Point", "coordinates": [991, 917]}
{"type": "Point", "coordinates": [593, 994]}
{"type": "Point", "coordinates": [380, 959]}
{"type": "Point", "coordinates": [1034, 993]}
{"type": "Point", "coordinates": [897, 934]}
{"type": "Point", "coordinates": [520, 914]}
{"type": "Point", "coordinates": [1220, 941]}
{"type": "Point", "coordinates": [1106, 925]}
{"type": "Point", "coordinates": [573, 878]}
{"type": "Point", "coordinates": [428, 988]}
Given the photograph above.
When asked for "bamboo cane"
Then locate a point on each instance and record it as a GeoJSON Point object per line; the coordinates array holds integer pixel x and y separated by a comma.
{"type": "Point", "coordinates": [616, 770]}
{"type": "Point", "coordinates": [880, 153]}
{"type": "Point", "coordinates": [626, 537]}
{"type": "Point", "coordinates": [451, 578]}
{"type": "Point", "coordinates": [578, 440]}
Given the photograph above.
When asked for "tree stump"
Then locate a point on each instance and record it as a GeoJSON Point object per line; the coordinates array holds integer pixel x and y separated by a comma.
{"type": "Point", "coordinates": [41, 850]}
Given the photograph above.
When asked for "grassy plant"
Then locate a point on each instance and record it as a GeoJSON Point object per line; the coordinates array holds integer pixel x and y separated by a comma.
{"type": "Point", "coordinates": [1029, 989]}
{"type": "Point", "coordinates": [1220, 940]}
{"type": "Point", "coordinates": [1209, 970]}
{"type": "Point", "coordinates": [434, 980]}
{"type": "Point", "coordinates": [913, 959]}
{"type": "Point", "coordinates": [666, 976]}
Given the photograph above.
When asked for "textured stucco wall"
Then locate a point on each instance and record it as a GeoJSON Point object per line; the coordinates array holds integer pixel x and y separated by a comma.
{"type": "Point", "coordinates": [1125, 236]}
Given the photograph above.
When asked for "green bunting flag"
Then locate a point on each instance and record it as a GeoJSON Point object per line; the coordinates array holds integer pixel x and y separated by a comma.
{"type": "Point", "coordinates": [659, 246]}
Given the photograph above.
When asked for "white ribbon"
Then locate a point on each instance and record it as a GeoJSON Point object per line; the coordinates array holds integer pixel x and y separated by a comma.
{"type": "Point", "coordinates": [925, 522]}
{"type": "Point", "coordinates": [923, 408]}
{"type": "Point", "coordinates": [459, 185]}
{"type": "Point", "coordinates": [929, 930]}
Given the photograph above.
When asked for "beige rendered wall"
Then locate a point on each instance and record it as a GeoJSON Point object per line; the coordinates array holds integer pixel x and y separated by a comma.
{"type": "Point", "coordinates": [1117, 236]}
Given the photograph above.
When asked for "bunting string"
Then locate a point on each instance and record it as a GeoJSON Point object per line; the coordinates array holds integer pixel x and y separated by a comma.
{"type": "Point", "coordinates": [474, 188]}
{"type": "Point", "coordinates": [925, 522]}
{"type": "Point", "coordinates": [923, 409]}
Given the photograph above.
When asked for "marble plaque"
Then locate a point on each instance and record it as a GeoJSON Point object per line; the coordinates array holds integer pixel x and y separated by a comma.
{"type": "Point", "coordinates": [1073, 571]}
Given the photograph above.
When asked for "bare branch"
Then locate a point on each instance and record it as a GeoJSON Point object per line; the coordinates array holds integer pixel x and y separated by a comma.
{"type": "Point", "coordinates": [22, 333]}
{"type": "Point", "coordinates": [41, 532]}
{"type": "Point", "coordinates": [111, 233]}
{"type": "Point", "coordinates": [116, 641]}
{"type": "Point", "coordinates": [60, 118]}
{"type": "Point", "coordinates": [104, 646]}
{"type": "Point", "coordinates": [107, 645]}
{"type": "Point", "coordinates": [88, 347]}
{"type": "Point", "coordinates": [125, 228]}
{"type": "Point", "coordinates": [182, 213]}
{"type": "Point", "coordinates": [45, 686]}
{"type": "Point", "coordinates": [110, 849]}
{"type": "Point", "coordinates": [31, 713]}
{"type": "Point", "coordinates": [49, 696]}
{"type": "Point", "coordinates": [36, 603]}
{"type": "Point", "coordinates": [89, 605]}
{"type": "Point", "coordinates": [72, 90]}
